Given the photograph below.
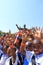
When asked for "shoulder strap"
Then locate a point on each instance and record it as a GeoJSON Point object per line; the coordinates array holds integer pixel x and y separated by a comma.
{"type": "Point", "coordinates": [18, 63]}
{"type": "Point", "coordinates": [1, 55]}
{"type": "Point", "coordinates": [11, 62]}
{"type": "Point", "coordinates": [20, 59]}
{"type": "Point", "coordinates": [33, 60]}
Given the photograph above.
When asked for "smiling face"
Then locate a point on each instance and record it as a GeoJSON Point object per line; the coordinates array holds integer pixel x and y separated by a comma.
{"type": "Point", "coordinates": [37, 48]}
{"type": "Point", "coordinates": [28, 46]}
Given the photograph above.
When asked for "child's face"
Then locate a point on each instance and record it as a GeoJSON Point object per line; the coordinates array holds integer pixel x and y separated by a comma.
{"type": "Point", "coordinates": [37, 48]}
{"type": "Point", "coordinates": [29, 47]}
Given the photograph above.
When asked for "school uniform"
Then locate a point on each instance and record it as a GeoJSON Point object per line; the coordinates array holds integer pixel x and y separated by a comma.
{"type": "Point", "coordinates": [1, 51]}
{"type": "Point", "coordinates": [3, 59]}
{"type": "Point", "coordinates": [38, 60]}
{"type": "Point", "coordinates": [9, 62]}
{"type": "Point", "coordinates": [21, 58]}
{"type": "Point", "coordinates": [28, 57]}
{"type": "Point", "coordinates": [29, 54]}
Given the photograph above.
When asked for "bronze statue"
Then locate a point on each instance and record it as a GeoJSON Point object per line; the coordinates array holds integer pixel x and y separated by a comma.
{"type": "Point", "coordinates": [20, 28]}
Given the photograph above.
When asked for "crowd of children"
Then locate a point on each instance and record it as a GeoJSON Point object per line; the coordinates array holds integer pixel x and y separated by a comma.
{"type": "Point", "coordinates": [22, 48]}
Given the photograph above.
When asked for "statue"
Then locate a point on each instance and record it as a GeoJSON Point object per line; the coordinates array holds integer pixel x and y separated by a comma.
{"type": "Point", "coordinates": [20, 28]}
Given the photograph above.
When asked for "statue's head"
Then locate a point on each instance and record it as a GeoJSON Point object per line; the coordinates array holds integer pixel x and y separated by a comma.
{"type": "Point", "coordinates": [24, 25]}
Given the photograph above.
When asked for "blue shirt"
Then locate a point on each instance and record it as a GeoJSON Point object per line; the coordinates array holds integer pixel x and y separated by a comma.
{"type": "Point", "coordinates": [26, 62]}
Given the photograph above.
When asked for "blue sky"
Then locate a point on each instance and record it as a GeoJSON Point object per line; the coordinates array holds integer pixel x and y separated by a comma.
{"type": "Point", "coordinates": [12, 12]}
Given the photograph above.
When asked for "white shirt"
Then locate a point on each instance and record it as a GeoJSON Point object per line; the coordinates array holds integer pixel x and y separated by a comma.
{"type": "Point", "coordinates": [29, 54]}
{"type": "Point", "coordinates": [8, 61]}
{"type": "Point", "coordinates": [38, 59]}
{"type": "Point", "coordinates": [3, 59]}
